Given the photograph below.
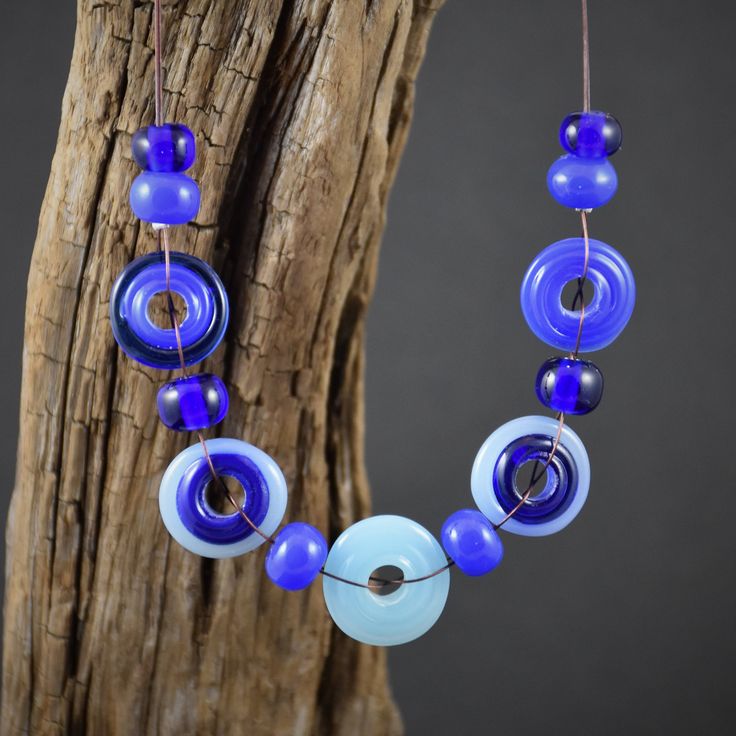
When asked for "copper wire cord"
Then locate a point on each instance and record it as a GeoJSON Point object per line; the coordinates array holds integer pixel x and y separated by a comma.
{"type": "Point", "coordinates": [374, 583]}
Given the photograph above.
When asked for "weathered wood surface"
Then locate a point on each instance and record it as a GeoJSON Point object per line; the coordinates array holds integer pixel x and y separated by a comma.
{"type": "Point", "coordinates": [301, 110]}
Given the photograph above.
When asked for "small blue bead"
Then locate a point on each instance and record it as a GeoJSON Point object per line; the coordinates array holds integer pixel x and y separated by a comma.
{"type": "Point", "coordinates": [192, 403]}
{"type": "Point", "coordinates": [591, 134]}
{"type": "Point", "coordinates": [472, 542]}
{"type": "Point", "coordinates": [582, 183]}
{"type": "Point", "coordinates": [296, 556]}
{"type": "Point", "coordinates": [168, 147]}
{"type": "Point", "coordinates": [166, 198]}
{"type": "Point", "coordinates": [570, 385]}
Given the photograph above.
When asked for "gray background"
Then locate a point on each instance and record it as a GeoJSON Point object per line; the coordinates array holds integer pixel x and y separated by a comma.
{"type": "Point", "coordinates": [624, 622]}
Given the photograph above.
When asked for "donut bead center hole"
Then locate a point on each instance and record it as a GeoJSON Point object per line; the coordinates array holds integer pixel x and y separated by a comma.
{"type": "Point", "coordinates": [158, 309]}
{"type": "Point", "coordinates": [394, 575]}
{"type": "Point", "coordinates": [544, 482]}
{"type": "Point", "coordinates": [217, 500]}
{"type": "Point", "coordinates": [570, 298]}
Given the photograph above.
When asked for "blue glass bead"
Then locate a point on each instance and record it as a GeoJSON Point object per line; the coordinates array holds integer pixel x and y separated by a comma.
{"type": "Point", "coordinates": [193, 402]}
{"type": "Point", "coordinates": [164, 198]}
{"type": "Point", "coordinates": [296, 556]}
{"type": "Point", "coordinates": [513, 445]}
{"type": "Point", "coordinates": [608, 312]}
{"type": "Point", "coordinates": [591, 134]}
{"type": "Point", "coordinates": [195, 525]}
{"type": "Point", "coordinates": [472, 542]}
{"type": "Point", "coordinates": [570, 385]}
{"type": "Point", "coordinates": [204, 296]}
{"type": "Point", "coordinates": [582, 183]}
{"type": "Point", "coordinates": [169, 147]}
{"type": "Point", "coordinates": [408, 612]}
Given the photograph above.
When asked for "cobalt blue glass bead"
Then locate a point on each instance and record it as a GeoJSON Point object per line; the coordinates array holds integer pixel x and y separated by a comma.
{"type": "Point", "coordinates": [198, 527]}
{"type": "Point", "coordinates": [494, 480]}
{"type": "Point", "coordinates": [570, 385]}
{"type": "Point", "coordinates": [168, 147]}
{"type": "Point", "coordinates": [204, 296]}
{"type": "Point", "coordinates": [164, 198]}
{"type": "Point", "coordinates": [591, 134]}
{"type": "Point", "coordinates": [582, 183]}
{"type": "Point", "coordinates": [193, 402]}
{"type": "Point", "coordinates": [296, 556]}
{"type": "Point", "coordinates": [606, 315]}
{"type": "Point", "coordinates": [472, 542]}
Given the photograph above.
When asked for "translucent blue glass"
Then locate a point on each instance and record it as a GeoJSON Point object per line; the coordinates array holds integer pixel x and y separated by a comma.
{"type": "Point", "coordinates": [199, 528]}
{"type": "Point", "coordinates": [193, 402]}
{"type": "Point", "coordinates": [204, 296]}
{"type": "Point", "coordinates": [164, 198]}
{"type": "Point", "coordinates": [570, 385]}
{"type": "Point", "coordinates": [472, 542]}
{"type": "Point", "coordinates": [296, 557]}
{"type": "Point", "coordinates": [169, 147]}
{"type": "Point", "coordinates": [591, 134]}
{"type": "Point", "coordinates": [582, 183]}
{"type": "Point", "coordinates": [408, 612]}
{"type": "Point", "coordinates": [495, 483]}
{"type": "Point", "coordinates": [606, 315]}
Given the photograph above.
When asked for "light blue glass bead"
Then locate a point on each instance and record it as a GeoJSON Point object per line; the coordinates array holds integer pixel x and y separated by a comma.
{"type": "Point", "coordinates": [165, 198]}
{"type": "Point", "coordinates": [605, 316]}
{"type": "Point", "coordinates": [195, 525]}
{"type": "Point", "coordinates": [408, 612]}
{"type": "Point", "coordinates": [582, 183]}
{"type": "Point", "coordinates": [516, 443]}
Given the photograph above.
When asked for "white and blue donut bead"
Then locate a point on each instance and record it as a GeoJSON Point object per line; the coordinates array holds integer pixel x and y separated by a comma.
{"type": "Point", "coordinates": [195, 525]}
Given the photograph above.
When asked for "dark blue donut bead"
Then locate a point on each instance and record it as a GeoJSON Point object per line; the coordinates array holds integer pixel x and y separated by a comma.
{"type": "Point", "coordinates": [471, 542]}
{"type": "Point", "coordinates": [164, 198]}
{"type": "Point", "coordinates": [296, 556]}
{"type": "Point", "coordinates": [168, 147]}
{"type": "Point", "coordinates": [570, 385]}
{"type": "Point", "coordinates": [591, 134]}
{"type": "Point", "coordinates": [192, 403]}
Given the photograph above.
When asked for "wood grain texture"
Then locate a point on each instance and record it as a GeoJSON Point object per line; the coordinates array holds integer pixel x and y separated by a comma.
{"type": "Point", "coordinates": [300, 109]}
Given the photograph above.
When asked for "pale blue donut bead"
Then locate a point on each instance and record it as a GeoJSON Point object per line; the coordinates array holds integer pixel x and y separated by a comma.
{"type": "Point", "coordinates": [568, 476]}
{"type": "Point", "coordinates": [400, 616]}
{"type": "Point", "coordinates": [202, 530]}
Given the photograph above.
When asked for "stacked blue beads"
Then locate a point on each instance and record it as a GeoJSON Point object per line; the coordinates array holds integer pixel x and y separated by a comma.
{"type": "Point", "coordinates": [570, 385]}
{"type": "Point", "coordinates": [472, 542]}
{"type": "Point", "coordinates": [296, 556]}
{"type": "Point", "coordinates": [193, 402]}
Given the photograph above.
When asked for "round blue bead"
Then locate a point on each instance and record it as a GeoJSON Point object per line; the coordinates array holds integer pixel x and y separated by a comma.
{"type": "Point", "coordinates": [168, 147]}
{"type": "Point", "coordinates": [296, 556]}
{"type": "Point", "coordinates": [199, 528]}
{"type": "Point", "coordinates": [193, 402]}
{"type": "Point", "coordinates": [472, 542]}
{"type": "Point", "coordinates": [605, 316]}
{"type": "Point", "coordinates": [203, 293]}
{"type": "Point", "coordinates": [582, 183]}
{"type": "Point", "coordinates": [164, 198]}
{"type": "Point", "coordinates": [570, 385]}
{"type": "Point", "coordinates": [408, 612]}
{"type": "Point", "coordinates": [494, 480]}
{"type": "Point", "coordinates": [591, 134]}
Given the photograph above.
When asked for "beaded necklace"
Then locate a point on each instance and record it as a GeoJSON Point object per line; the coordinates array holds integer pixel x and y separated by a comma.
{"type": "Point", "coordinates": [364, 601]}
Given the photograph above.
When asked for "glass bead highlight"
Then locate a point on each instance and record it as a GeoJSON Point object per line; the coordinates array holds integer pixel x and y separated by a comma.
{"type": "Point", "coordinates": [591, 134]}
{"type": "Point", "coordinates": [608, 312]}
{"type": "Point", "coordinates": [193, 402]}
{"type": "Point", "coordinates": [582, 183]}
{"type": "Point", "coordinates": [296, 556]}
{"type": "Point", "coordinates": [195, 525]}
{"type": "Point", "coordinates": [204, 296]}
{"type": "Point", "coordinates": [169, 147]}
{"type": "Point", "coordinates": [472, 542]}
{"type": "Point", "coordinates": [401, 616]}
{"type": "Point", "coordinates": [495, 472]}
{"type": "Point", "coordinates": [164, 198]}
{"type": "Point", "coordinates": [570, 385]}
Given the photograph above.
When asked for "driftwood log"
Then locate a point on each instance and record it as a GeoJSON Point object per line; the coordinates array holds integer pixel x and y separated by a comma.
{"type": "Point", "coordinates": [301, 110]}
